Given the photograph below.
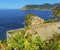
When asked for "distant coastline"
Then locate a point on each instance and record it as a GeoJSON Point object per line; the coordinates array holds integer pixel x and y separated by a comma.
{"type": "Point", "coordinates": [37, 9]}
{"type": "Point", "coordinates": [45, 6]}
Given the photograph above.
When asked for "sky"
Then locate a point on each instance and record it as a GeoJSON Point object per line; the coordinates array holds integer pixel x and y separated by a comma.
{"type": "Point", "coordinates": [17, 4]}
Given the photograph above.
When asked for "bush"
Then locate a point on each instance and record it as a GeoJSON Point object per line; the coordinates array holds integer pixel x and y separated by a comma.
{"type": "Point", "coordinates": [29, 43]}
{"type": "Point", "coordinates": [21, 42]}
{"type": "Point", "coordinates": [49, 21]}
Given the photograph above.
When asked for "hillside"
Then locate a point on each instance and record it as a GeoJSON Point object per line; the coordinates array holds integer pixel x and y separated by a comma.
{"type": "Point", "coordinates": [36, 35]}
{"type": "Point", "coordinates": [37, 26]}
{"type": "Point", "coordinates": [39, 7]}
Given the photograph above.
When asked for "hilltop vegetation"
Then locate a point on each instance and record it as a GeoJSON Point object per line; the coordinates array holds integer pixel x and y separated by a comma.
{"type": "Point", "coordinates": [46, 6]}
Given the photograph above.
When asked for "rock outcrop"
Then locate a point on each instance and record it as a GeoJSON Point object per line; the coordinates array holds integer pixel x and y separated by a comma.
{"type": "Point", "coordinates": [33, 21]}
{"type": "Point", "coordinates": [45, 31]}
{"type": "Point", "coordinates": [36, 27]}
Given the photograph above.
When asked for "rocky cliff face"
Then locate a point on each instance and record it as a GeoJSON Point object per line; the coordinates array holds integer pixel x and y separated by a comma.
{"type": "Point", "coordinates": [38, 28]}
{"type": "Point", "coordinates": [45, 31]}
{"type": "Point", "coordinates": [33, 21]}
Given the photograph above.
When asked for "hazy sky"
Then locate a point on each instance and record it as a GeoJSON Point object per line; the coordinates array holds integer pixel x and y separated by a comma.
{"type": "Point", "coordinates": [16, 4]}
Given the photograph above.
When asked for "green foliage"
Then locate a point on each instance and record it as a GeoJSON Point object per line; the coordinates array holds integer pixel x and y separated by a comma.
{"type": "Point", "coordinates": [29, 43]}
{"type": "Point", "coordinates": [3, 41]}
{"type": "Point", "coordinates": [49, 21]}
{"type": "Point", "coordinates": [54, 43]}
{"type": "Point", "coordinates": [21, 42]}
{"type": "Point", "coordinates": [28, 19]}
{"type": "Point", "coordinates": [56, 12]}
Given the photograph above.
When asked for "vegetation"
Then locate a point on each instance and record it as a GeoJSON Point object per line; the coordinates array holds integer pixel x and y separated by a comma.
{"type": "Point", "coordinates": [49, 21]}
{"type": "Point", "coordinates": [28, 19]}
{"type": "Point", "coordinates": [21, 42]}
{"type": "Point", "coordinates": [46, 6]}
{"type": "Point", "coordinates": [56, 12]}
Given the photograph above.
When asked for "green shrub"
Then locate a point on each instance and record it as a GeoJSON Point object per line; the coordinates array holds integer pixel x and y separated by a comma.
{"type": "Point", "coordinates": [49, 21]}
{"type": "Point", "coordinates": [21, 42]}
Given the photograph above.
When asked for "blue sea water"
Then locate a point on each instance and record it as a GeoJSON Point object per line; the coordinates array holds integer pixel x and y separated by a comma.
{"type": "Point", "coordinates": [14, 19]}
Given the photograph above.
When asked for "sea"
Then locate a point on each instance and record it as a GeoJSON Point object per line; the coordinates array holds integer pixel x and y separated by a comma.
{"type": "Point", "coordinates": [11, 19]}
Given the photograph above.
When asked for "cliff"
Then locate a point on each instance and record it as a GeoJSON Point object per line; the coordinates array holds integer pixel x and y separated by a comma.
{"type": "Point", "coordinates": [37, 27]}
{"type": "Point", "coordinates": [45, 31]}
{"type": "Point", "coordinates": [46, 6]}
